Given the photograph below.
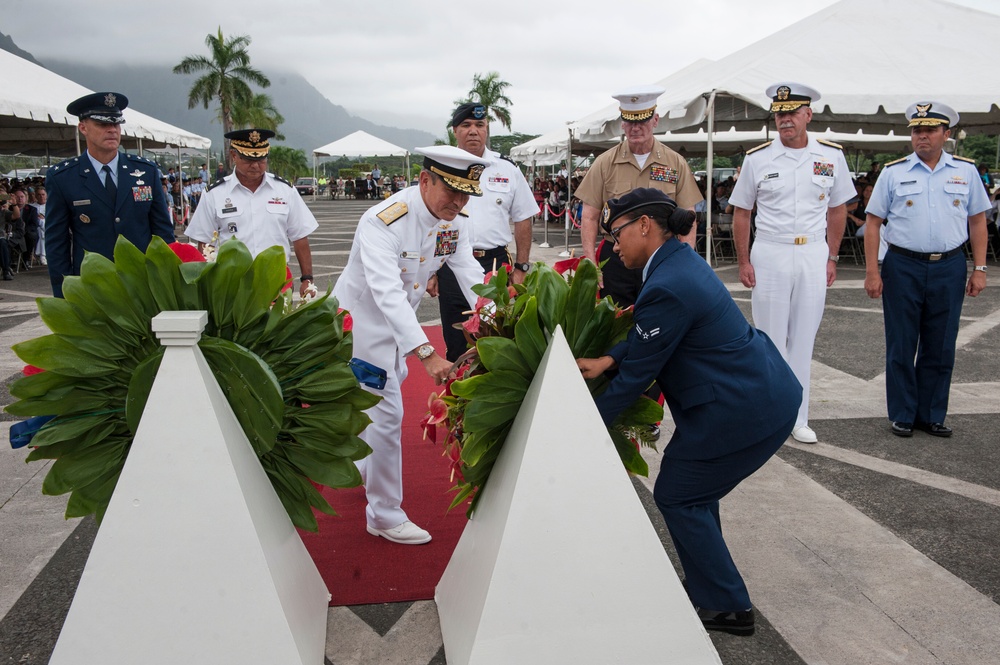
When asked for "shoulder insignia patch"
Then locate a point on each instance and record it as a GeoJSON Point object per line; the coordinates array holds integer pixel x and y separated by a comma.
{"type": "Point", "coordinates": [831, 144]}
{"type": "Point", "coordinates": [507, 159]}
{"type": "Point", "coordinates": [964, 159]}
{"type": "Point", "coordinates": [762, 145]}
{"type": "Point", "coordinates": [215, 184]}
{"type": "Point", "coordinates": [62, 165]}
{"type": "Point", "coordinates": [464, 212]}
{"type": "Point", "coordinates": [393, 212]}
{"type": "Point", "coordinates": [280, 179]}
{"type": "Point", "coordinates": [895, 161]}
{"type": "Point", "coordinates": [139, 158]}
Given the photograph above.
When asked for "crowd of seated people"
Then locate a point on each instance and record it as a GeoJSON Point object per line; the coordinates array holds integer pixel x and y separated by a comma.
{"type": "Point", "coordinates": [22, 205]}
{"type": "Point", "coordinates": [554, 192]}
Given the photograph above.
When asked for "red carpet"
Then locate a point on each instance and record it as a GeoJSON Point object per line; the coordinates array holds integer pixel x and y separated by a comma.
{"type": "Point", "coordinates": [359, 568]}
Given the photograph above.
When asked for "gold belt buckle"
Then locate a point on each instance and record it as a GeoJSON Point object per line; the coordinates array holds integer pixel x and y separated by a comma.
{"type": "Point", "coordinates": [934, 257]}
{"type": "Point", "coordinates": [801, 240]}
{"type": "Point", "coordinates": [479, 253]}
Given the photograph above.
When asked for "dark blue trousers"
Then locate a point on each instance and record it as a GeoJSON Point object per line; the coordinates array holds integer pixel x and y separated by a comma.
{"type": "Point", "coordinates": [688, 493]}
{"type": "Point", "coordinates": [921, 303]}
{"type": "Point", "coordinates": [453, 303]}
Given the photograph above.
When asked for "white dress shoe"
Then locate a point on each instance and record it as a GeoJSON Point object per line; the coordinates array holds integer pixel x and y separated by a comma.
{"type": "Point", "coordinates": [804, 434]}
{"type": "Point", "coordinates": [406, 533]}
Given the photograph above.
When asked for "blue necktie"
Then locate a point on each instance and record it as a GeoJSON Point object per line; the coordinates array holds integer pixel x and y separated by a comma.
{"type": "Point", "coordinates": [109, 185]}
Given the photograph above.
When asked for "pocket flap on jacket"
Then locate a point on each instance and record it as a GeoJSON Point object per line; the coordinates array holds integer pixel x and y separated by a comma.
{"type": "Point", "coordinates": [696, 396]}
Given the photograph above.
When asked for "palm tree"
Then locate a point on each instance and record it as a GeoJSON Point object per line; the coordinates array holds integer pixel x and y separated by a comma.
{"type": "Point", "coordinates": [489, 91]}
{"type": "Point", "coordinates": [259, 112]}
{"type": "Point", "coordinates": [289, 163]}
{"type": "Point", "coordinates": [227, 75]}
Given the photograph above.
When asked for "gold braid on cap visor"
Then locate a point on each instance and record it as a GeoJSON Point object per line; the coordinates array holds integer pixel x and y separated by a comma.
{"type": "Point", "coordinates": [927, 122]}
{"type": "Point", "coordinates": [459, 184]}
{"type": "Point", "coordinates": [248, 149]}
{"type": "Point", "coordinates": [786, 106]}
{"type": "Point", "coordinates": [638, 116]}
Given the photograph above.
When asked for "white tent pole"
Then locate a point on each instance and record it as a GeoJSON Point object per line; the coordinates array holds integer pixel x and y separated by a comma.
{"type": "Point", "coordinates": [76, 135]}
{"type": "Point", "coordinates": [315, 178]}
{"type": "Point", "coordinates": [709, 185]}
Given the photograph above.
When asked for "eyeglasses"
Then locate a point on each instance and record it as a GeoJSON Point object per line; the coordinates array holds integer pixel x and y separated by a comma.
{"type": "Point", "coordinates": [615, 233]}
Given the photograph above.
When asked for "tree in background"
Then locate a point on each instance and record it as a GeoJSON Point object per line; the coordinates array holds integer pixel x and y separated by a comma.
{"type": "Point", "coordinates": [488, 90]}
{"type": "Point", "coordinates": [258, 112]}
{"type": "Point", "coordinates": [227, 76]}
{"type": "Point", "coordinates": [289, 163]}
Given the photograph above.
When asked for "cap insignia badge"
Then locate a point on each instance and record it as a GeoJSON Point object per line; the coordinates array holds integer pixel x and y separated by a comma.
{"type": "Point", "coordinates": [110, 100]}
{"type": "Point", "coordinates": [783, 93]}
{"type": "Point", "coordinates": [605, 214]}
{"type": "Point", "coordinates": [255, 136]}
{"type": "Point", "coordinates": [633, 99]}
{"type": "Point", "coordinates": [922, 110]}
{"type": "Point", "coordinates": [475, 171]}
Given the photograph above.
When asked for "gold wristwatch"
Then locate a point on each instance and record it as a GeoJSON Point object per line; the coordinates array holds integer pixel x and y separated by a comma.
{"type": "Point", "coordinates": [424, 351]}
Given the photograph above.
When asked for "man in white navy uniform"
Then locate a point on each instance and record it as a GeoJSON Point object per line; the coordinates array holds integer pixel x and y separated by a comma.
{"type": "Point", "coordinates": [931, 203]}
{"type": "Point", "coordinates": [507, 199]}
{"type": "Point", "coordinates": [259, 208]}
{"type": "Point", "coordinates": [800, 186]}
{"type": "Point", "coordinates": [398, 246]}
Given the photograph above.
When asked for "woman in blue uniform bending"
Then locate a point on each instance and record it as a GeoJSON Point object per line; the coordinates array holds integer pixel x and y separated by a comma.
{"type": "Point", "coordinates": [732, 397]}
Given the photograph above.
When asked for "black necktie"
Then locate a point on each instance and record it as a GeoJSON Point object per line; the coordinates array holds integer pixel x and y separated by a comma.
{"type": "Point", "coordinates": [109, 185]}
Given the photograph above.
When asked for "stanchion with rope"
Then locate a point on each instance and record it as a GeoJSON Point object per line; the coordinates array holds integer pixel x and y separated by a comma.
{"type": "Point", "coordinates": [545, 225]}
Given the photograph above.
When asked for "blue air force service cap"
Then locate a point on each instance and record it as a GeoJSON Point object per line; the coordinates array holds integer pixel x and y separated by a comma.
{"type": "Point", "coordinates": [638, 104]}
{"type": "Point", "coordinates": [252, 144]}
{"type": "Point", "coordinates": [103, 107]}
{"type": "Point", "coordinates": [931, 114]}
{"type": "Point", "coordinates": [786, 97]}
{"type": "Point", "coordinates": [466, 111]}
{"type": "Point", "coordinates": [459, 169]}
{"type": "Point", "coordinates": [634, 201]}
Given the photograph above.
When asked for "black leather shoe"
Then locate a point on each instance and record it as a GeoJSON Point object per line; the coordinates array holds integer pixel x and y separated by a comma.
{"type": "Point", "coordinates": [902, 429]}
{"type": "Point", "coordinates": [7, 276]}
{"type": "Point", "coordinates": [735, 623]}
{"type": "Point", "coordinates": [935, 429]}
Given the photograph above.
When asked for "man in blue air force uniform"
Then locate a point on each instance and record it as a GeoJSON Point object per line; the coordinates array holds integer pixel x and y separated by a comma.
{"type": "Point", "coordinates": [94, 198]}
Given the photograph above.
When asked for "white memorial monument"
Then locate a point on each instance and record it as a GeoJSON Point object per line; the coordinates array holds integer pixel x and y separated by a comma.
{"type": "Point", "coordinates": [560, 563]}
{"type": "Point", "coordinates": [196, 560]}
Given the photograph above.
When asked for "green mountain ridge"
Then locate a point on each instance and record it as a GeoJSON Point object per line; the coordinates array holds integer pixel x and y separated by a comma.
{"type": "Point", "coordinates": [311, 120]}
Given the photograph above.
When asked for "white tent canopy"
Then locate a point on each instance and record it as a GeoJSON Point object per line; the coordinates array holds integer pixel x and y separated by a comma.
{"type": "Point", "coordinates": [908, 52]}
{"type": "Point", "coordinates": [551, 148]}
{"type": "Point", "coordinates": [361, 144]}
{"type": "Point", "coordinates": [33, 118]}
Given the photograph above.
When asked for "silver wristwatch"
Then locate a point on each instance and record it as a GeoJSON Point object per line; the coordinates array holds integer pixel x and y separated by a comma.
{"type": "Point", "coordinates": [979, 268]}
{"type": "Point", "coordinates": [835, 259]}
{"type": "Point", "coordinates": [424, 351]}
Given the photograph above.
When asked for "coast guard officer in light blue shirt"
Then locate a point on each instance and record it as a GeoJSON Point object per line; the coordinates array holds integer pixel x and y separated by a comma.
{"type": "Point", "coordinates": [931, 203]}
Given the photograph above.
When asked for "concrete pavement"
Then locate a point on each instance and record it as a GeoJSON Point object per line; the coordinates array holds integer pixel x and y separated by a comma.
{"type": "Point", "coordinates": [864, 548]}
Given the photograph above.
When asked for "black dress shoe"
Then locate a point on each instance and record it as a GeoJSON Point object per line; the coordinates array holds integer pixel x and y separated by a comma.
{"type": "Point", "coordinates": [935, 429]}
{"type": "Point", "coordinates": [735, 623]}
{"type": "Point", "coordinates": [902, 429]}
{"type": "Point", "coordinates": [7, 276]}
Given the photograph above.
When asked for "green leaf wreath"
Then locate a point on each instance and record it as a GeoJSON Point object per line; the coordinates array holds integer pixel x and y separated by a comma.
{"type": "Point", "coordinates": [284, 371]}
{"type": "Point", "coordinates": [512, 324]}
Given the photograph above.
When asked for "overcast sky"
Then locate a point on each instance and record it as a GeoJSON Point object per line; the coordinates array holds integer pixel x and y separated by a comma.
{"type": "Point", "coordinates": [413, 59]}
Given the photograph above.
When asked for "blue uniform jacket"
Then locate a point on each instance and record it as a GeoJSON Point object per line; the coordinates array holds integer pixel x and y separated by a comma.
{"type": "Point", "coordinates": [78, 216]}
{"type": "Point", "coordinates": [725, 383]}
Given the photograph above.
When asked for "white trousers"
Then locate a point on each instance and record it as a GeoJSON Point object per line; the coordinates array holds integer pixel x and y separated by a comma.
{"type": "Point", "coordinates": [382, 471]}
{"type": "Point", "coordinates": [787, 303]}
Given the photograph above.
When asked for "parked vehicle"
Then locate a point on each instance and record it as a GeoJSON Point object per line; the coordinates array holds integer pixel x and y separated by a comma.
{"type": "Point", "coordinates": [306, 186]}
